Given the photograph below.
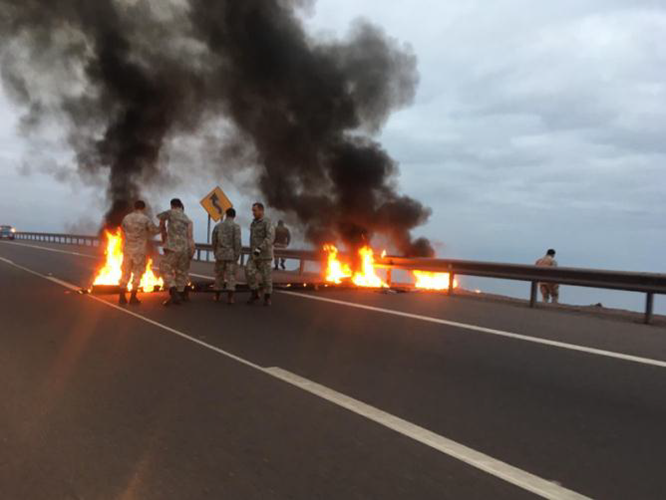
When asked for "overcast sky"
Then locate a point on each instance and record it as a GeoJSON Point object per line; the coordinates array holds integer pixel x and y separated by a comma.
{"type": "Point", "coordinates": [536, 125]}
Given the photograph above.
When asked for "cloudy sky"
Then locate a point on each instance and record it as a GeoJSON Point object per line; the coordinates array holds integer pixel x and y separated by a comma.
{"type": "Point", "coordinates": [536, 125]}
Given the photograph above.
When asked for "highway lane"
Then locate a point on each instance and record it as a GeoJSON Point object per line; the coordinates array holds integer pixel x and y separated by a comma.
{"type": "Point", "coordinates": [97, 404]}
{"type": "Point", "coordinates": [532, 406]}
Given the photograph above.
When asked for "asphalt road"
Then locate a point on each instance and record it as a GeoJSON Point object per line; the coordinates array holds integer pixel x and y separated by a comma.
{"type": "Point", "coordinates": [99, 403]}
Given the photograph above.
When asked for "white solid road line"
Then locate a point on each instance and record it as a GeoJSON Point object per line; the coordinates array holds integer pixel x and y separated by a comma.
{"type": "Point", "coordinates": [485, 463]}
{"type": "Point", "coordinates": [47, 249]}
{"type": "Point", "coordinates": [497, 468]}
{"type": "Point", "coordinates": [465, 326]}
{"type": "Point", "coordinates": [491, 331]}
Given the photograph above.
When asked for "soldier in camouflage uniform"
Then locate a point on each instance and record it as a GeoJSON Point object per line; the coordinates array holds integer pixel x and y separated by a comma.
{"type": "Point", "coordinates": [262, 235]}
{"type": "Point", "coordinates": [227, 249]}
{"type": "Point", "coordinates": [549, 290]}
{"type": "Point", "coordinates": [177, 231]}
{"type": "Point", "coordinates": [137, 229]}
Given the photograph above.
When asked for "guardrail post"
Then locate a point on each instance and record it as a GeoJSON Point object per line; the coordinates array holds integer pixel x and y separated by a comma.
{"type": "Point", "coordinates": [452, 280]}
{"type": "Point", "coordinates": [533, 294]}
{"type": "Point", "coordinates": [301, 266]}
{"type": "Point", "coordinates": [649, 307]}
{"type": "Point", "coordinates": [198, 254]}
{"type": "Point", "coordinates": [389, 276]}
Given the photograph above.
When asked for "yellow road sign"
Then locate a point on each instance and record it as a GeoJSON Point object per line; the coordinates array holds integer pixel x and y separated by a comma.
{"type": "Point", "coordinates": [216, 203]}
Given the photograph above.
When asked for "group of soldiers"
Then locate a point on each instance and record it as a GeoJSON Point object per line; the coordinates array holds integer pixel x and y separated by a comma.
{"type": "Point", "coordinates": [176, 229]}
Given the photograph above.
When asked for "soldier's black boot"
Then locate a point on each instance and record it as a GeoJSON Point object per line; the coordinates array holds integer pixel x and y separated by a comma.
{"type": "Point", "coordinates": [122, 298]}
{"type": "Point", "coordinates": [254, 296]}
{"type": "Point", "coordinates": [217, 296]}
{"type": "Point", "coordinates": [185, 295]}
{"type": "Point", "coordinates": [230, 297]}
{"type": "Point", "coordinates": [134, 299]}
{"type": "Point", "coordinates": [267, 299]}
{"type": "Point", "coordinates": [174, 298]}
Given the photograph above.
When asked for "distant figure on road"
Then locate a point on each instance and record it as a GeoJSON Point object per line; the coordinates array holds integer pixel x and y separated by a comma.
{"type": "Point", "coordinates": [262, 236]}
{"type": "Point", "coordinates": [137, 229]}
{"type": "Point", "coordinates": [178, 251]}
{"type": "Point", "coordinates": [282, 240]}
{"type": "Point", "coordinates": [227, 250]}
{"type": "Point", "coordinates": [549, 290]}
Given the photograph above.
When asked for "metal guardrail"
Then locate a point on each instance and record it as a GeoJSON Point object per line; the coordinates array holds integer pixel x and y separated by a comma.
{"type": "Point", "coordinates": [650, 284]}
{"type": "Point", "coordinates": [203, 252]}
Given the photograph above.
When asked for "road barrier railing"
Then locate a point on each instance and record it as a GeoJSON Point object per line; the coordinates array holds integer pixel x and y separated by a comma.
{"type": "Point", "coordinates": [650, 284]}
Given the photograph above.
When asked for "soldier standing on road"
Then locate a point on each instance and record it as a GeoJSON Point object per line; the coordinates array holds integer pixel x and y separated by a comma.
{"type": "Point", "coordinates": [282, 240]}
{"type": "Point", "coordinates": [262, 235]}
{"type": "Point", "coordinates": [137, 229]}
{"type": "Point", "coordinates": [178, 251]}
{"type": "Point", "coordinates": [227, 249]}
{"type": "Point", "coordinates": [549, 290]}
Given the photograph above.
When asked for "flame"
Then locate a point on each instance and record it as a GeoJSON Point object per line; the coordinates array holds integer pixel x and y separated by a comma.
{"type": "Point", "coordinates": [336, 270]}
{"type": "Point", "coordinates": [111, 271]}
{"type": "Point", "coordinates": [433, 281]}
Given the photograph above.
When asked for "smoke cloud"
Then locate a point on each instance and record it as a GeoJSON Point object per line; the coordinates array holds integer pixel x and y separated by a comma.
{"type": "Point", "coordinates": [129, 76]}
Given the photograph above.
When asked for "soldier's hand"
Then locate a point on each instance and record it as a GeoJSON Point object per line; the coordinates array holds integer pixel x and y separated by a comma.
{"type": "Point", "coordinates": [256, 252]}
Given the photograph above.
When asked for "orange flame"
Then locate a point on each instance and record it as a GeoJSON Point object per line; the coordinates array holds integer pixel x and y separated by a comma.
{"type": "Point", "coordinates": [432, 281]}
{"type": "Point", "coordinates": [336, 270]}
{"type": "Point", "coordinates": [111, 271]}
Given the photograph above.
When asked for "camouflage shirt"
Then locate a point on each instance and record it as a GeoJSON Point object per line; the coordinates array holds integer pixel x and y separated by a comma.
{"type": "Point", "coordinates": [227, 240]}
{"type": "Point", "coordinates": [137, 229]}
{"type": "Point", "coordinates": [546, 261]}
{"type": "Point", "coordinates": [262, 235]}
{"type": "Point", "coordinates": [178, 230]}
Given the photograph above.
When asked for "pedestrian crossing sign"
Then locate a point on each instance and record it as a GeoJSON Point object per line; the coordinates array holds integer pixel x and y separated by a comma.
{"type": "Point", "coordinates": [216, 203]}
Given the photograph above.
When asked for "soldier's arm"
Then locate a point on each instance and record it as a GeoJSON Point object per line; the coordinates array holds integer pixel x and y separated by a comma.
{"type": "Point", "coordinates": [151, 227]}
{"type": "Point", "coordinates": [288, 237]}
{"type": "Point", "coordinates": [270, 238]}
{"type": "Point", "coordinates": [190, 236]}
{"type": "Point", "coordinates": [237, 242]}
{"type": "Point", "coordinates": [163, 217]}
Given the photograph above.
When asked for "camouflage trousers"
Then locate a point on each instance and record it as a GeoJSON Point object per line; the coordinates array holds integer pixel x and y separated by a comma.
{"type": "Point", "coordinates": [225, 272]}
{"type": "Point", "coordinates": [134, 266]}
{"type": "Point", "coordinates": [256, 268]}
{"type": "Point", "coordinates": [549, 290]}
{"type": "Point", "coordinates": [175, 269]}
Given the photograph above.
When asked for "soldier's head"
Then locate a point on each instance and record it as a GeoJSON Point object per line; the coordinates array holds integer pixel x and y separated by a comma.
{"type": "Point", "coordinates": [257, 210]}
{"type": "Point", "coordinates": [176, 203]}
{"type": "Point", "coordinates": [139, 205]}
{"type": "Point", "coordinates": [551, 252]}
{"type": "Point", "coordinates": [280, 223]}
{"type": "Point", "coordinates": [231, 213]}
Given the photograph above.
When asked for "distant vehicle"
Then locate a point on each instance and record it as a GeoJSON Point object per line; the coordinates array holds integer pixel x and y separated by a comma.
{"type": "Point", "coordinates": [7, 232]}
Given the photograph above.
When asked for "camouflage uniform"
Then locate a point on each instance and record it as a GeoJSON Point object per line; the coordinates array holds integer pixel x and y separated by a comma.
{"type": "Point", "coordinates": [227, 249]}
{"type": "Point", "coordinates": [549, 290]}
{"type": "Point", "coordinates": [262, 235]}
{"type": "Point", "coordinates": [137, 229]}
{"type": "Point", "coordinates": [178, 248]}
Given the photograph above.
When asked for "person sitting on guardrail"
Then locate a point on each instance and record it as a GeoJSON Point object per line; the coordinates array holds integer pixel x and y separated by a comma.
{"type": "Point", "coordinates": [282, 240]}
{"type": "Point", "coordinates": [227, 249]}
{"type": "Point", "coordinates": [549, 290]}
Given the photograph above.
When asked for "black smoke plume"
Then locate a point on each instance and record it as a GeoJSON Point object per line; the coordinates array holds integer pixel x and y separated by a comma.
{"type": "Point", "coordinates": [127, 77]}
